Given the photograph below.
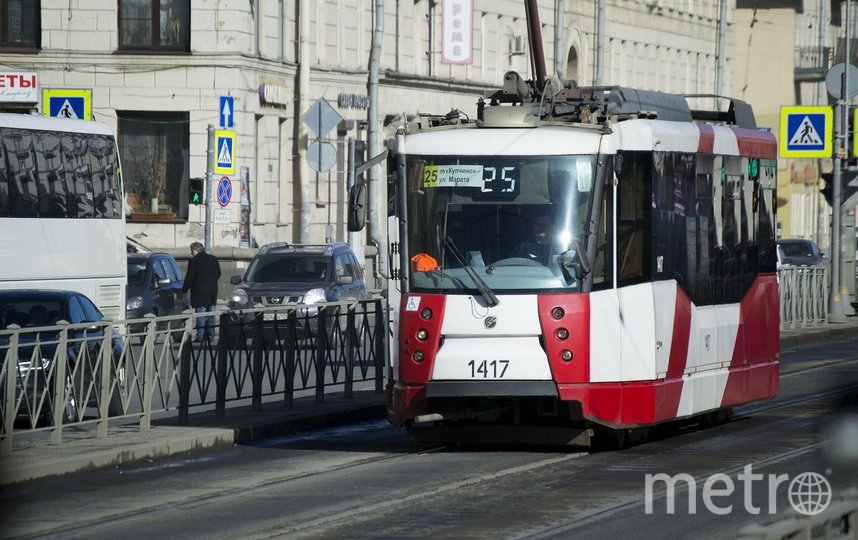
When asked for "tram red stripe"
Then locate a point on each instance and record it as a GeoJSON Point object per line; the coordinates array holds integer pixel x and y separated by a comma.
{"type": "Point", "coordinates": [756, 350]}
{"type": "Point", "coordinates": [706, 142]}
{"type": "Point", "coordinates": [681, 333]}
{"type": "Point", "coordinates": [759, 144]}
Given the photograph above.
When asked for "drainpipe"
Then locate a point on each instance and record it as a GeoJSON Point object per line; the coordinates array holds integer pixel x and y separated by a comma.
{"type": "Point", "coordinates": [600, 43]}
{"type": "Point", "coordinates": [431, 52]}
{"type": "Point", "coordinates": [722, 31]}
{"type": "Point", "coordinates": [822, 99]}
{"type": "Point", "coordinates": [377, 191]}
{"type": "Point", "coordinates": [300, 142]}
{"type": "Point", "coordinates": [559, 56]}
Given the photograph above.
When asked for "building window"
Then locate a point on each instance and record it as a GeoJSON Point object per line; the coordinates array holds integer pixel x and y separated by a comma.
{"type": "Point", "coordinates": [19, 24]}
{"type": "Point", "coordinates": [154, 149]}
{"type": "Point", "coordinates": [163, 25]}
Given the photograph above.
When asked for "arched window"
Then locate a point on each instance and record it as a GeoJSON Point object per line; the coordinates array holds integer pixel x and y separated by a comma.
{"type": "Point", "coordinates": [572, 65]}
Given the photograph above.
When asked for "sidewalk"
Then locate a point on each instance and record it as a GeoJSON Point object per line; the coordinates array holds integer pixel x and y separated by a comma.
{"type": "Point", "coordinates": [126, 444]}
{"type": "Point", "coordinates": [36, 458]}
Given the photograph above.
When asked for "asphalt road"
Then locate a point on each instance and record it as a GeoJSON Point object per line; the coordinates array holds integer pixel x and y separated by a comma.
{"type": "Point", "coordinates": [368, 480]}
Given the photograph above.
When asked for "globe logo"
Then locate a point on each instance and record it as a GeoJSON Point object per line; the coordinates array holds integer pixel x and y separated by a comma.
{"type": "Point", "coordinates": [809, 493]}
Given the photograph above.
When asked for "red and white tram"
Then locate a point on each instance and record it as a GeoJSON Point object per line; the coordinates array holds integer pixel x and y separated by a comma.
{"type": "Point", "coordinates": [580, 259]}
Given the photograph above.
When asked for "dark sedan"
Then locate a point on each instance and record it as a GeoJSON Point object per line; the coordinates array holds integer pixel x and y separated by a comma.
{"type": "Point", "coordinates": [801, 252]}
{"type": "Point", "coordinates": [154, 286]}
{"type": "Point", "coordinates": [37, 313]}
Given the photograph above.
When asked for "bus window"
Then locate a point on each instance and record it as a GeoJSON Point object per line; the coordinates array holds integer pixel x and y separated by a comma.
{"type": "Point", "coordinates": [22, 182]}
{"type": "Point", "coordinates": [52, 203]}
{"type": "Point", "coordinates": [4, 184]}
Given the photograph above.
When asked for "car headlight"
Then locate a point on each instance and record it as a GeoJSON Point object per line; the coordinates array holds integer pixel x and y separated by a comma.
{"type": "Point", "coordinates": [314, 296]}
{"type": "Point", "coordinates": [239, 298]}
{"type": "Point", "coordinates": [135, 302]}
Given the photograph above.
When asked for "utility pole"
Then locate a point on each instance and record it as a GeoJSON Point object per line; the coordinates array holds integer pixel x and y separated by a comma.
{"type": "Point", "coordinates": [839, 298]}
{"type": "Point", "coordinates": [209, 238]}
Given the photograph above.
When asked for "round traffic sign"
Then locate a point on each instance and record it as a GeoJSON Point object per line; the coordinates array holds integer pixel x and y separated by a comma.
{"type": "Point", "coordinates": [834, 82]}
{"type": "Point", "coordinates": [224, 191]}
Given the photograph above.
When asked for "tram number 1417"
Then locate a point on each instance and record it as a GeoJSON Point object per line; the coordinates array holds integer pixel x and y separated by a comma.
{"type": "Point", "coordinates": [485, 369]}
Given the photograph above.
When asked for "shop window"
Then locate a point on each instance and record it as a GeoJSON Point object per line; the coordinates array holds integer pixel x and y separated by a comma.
{"type": "Point", "coordinates": [154, 148]}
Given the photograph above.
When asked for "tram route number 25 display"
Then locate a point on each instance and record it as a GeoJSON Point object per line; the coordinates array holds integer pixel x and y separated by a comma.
{"type": "Point", "coordinates": [488, 369]}
{"type": "Point", "coordinates": [490, 180]}
{"type": "Point", "coordinates": [500, 180]}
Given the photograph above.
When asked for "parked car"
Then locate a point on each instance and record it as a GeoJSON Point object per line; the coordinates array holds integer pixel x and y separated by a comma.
{"type": "Point", "coordinates": [154, 286]}
{"type": "Point", "coordinates": [40, 310]}
{"type": "Point", "coordinates": [801, 252]}
{"type": "Point", "coordinates": [282, 274]}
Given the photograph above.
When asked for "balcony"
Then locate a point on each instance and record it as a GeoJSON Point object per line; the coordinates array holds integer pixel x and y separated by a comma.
{"type": "Point", "coordinates": [812, 63]}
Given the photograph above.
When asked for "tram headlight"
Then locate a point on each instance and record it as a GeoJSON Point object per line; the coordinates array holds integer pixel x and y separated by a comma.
{"type": "Point", "coordinates": [422, 334]}
{"type": "Point", "coordinates": [557, 313]}
{"type": "Point", "coordinates": [418, 356]}
{"type": "Point", "coordinates": [562, 334]}
{"type": "Point", "coordinates": [426, 314]}
{"type": "Point", "coordinates": [566, 355]}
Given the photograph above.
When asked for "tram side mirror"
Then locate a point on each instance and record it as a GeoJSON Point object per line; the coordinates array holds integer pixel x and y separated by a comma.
{"type": "Point", "coordinates": [618, 164]}
{"type": "Point", "coordinates": [357, 207]}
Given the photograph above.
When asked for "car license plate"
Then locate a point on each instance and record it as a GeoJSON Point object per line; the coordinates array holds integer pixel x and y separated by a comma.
{"type": "Point", "coordinates": [270, 316]}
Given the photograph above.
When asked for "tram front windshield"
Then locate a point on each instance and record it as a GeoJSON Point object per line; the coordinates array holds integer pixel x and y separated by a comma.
{"type": "Point", "coordinates": [515, 222]}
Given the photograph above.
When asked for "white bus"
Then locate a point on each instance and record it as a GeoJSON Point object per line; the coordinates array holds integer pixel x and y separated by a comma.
{"type": "Point", "coordinates": [61, 216]}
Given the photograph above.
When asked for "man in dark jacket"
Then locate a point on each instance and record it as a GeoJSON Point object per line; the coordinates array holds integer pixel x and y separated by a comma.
{"type": "Point", "coordinates": [201, 279]}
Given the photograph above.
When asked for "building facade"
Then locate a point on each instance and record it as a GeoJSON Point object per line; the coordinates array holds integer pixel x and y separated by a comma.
{"type": "Point", "coordinates": [157, 70]}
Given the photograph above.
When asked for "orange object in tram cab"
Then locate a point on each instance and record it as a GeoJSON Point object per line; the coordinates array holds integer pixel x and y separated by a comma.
{"type": "Point", "coordinates": [423, 262]}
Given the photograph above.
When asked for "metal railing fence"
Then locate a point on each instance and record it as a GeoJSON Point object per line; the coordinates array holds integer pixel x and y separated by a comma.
{"type": "Point", "coordinates": [87, 375]}
{"type": "Point", "coordinates": [803, 293]}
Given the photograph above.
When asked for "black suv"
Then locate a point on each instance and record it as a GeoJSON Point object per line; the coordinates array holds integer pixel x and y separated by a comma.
{"type": "Point", "coordinates": [283, 274]}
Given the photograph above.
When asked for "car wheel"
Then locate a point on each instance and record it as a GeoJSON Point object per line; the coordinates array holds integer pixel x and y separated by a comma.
{"type": "Point", "coordinates": [71, 406]}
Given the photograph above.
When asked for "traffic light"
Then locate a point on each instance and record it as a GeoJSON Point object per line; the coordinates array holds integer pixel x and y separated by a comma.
{"type": "Point", "coordinates": [360, 155]}
{"type": "Point", "coordinates": [196, 191]}
{"type": "Point", "coordinates": [848, 191]}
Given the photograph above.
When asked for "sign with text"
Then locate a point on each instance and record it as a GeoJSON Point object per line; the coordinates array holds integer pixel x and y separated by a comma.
{"type": "Point", "coordinates": [19, 87]}
{"type": "Point", "coordinates": [457, 30]}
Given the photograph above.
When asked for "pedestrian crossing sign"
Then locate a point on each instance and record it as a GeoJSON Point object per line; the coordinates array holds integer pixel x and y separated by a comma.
{"type": "Point", "coordinates": [806, 132]}
{"type": "Point", "coordinates": [75, 104]}
{"type": "Point", "coordinates": [224, 152]}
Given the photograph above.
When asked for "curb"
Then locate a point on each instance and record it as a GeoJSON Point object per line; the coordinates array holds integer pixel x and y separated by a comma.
{"type": "Point", "coordinates": [248, 433]}
{"type": "Point", "coordinates": [91, 454]}
{"type": "Point", "coordinates": [828, 332]}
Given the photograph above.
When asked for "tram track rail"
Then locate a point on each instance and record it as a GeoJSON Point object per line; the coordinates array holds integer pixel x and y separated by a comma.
{"type": "Point", "coordinates": [379, 507]}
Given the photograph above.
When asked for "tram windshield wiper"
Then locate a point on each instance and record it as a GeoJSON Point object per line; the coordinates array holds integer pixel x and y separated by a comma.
{"type": "Point", "coordinates": [482, 286]}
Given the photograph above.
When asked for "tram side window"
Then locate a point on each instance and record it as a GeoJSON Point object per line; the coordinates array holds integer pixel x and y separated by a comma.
{"type": "Point", "coordinates": [633, 230]}
{"type": "Point", "coordinates": [702, 291]}
{"type": "Point", "coordinates": [735, 239]}
{"type": "Point", "coordinates": [603, 267]}
{"type": "Point", "coordinates": [766, 216]}
{"type": "Point", "coordinates": [674, 226]}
